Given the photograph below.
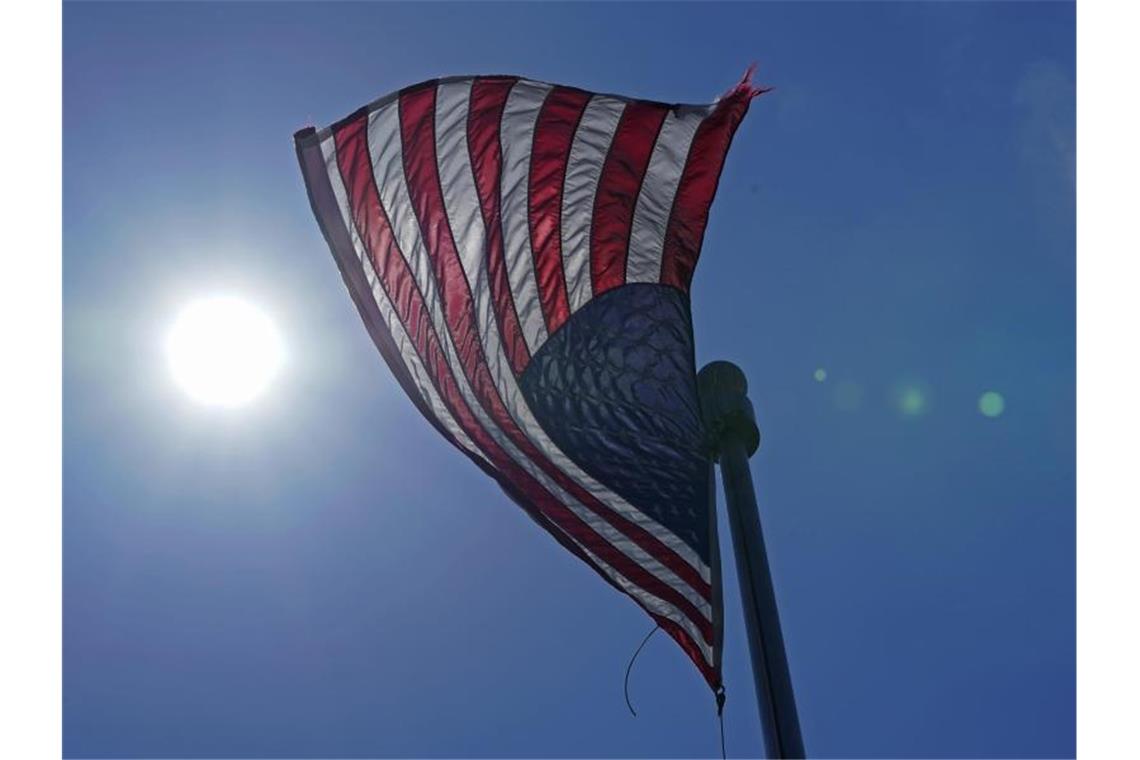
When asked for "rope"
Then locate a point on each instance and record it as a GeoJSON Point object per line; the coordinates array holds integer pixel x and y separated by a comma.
{"type": "Point", "coordinates": [629, 667]}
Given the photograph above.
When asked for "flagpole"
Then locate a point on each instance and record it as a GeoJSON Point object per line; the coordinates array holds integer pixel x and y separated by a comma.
{"type": "Point", "coordinates": [732, 426]}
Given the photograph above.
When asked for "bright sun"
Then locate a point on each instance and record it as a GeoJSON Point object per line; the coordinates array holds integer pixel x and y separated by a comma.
{"type": "Point", "coordinates": [223, 351]}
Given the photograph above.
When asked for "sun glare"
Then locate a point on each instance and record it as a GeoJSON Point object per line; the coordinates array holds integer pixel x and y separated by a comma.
{"type": "Point", "coordinates": [223, 351]}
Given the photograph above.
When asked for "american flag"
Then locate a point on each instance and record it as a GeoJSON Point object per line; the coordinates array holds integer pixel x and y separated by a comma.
{"type": "Point", "coordinates": [521, 255]}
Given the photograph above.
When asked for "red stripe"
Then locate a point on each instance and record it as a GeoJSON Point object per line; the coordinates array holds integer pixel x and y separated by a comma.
{"type": "Point", "coordinates": [697, 187]}
{"type": "Point", "coordinates": [553, 136]}
{"type": "Point", "coordinates": [417, 127]}
{"type": "Point", "coordinates": [356, 168]}
{"type": "Point", "coordinates": [484, 116]}
{"type": "Point", "coordinates": [681, 636]}
{"type": "Point", "coordinates": [618, 188]}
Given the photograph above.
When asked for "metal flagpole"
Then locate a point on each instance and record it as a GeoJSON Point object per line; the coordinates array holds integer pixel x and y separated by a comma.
{"type": "Point", "coordinates": [731, 423]}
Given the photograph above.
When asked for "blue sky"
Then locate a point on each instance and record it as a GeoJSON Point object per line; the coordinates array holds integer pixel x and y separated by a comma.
{"type": "Point", "coordinates": [320, 574]}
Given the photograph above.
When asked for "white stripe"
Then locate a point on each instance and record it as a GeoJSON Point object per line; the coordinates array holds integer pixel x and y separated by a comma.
{"type": "Point", "coordinates": [655, 201]}
{"type": "Point", "coordinates": [587, 155]}
{"type": "Point", "coordinates": [458, 183]}
{"type": "Point", "coordinates": [461, 199]}
{"type": "Point", "coordinates": [384, 139]}
{"type": "Point", "coordinates": [516, 136]}
{"type": "Point", "coordinates": [407, 350]}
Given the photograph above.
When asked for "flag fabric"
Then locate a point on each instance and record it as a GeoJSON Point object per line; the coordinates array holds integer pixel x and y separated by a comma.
{"type": "Point", "coordinates": [521, 255]}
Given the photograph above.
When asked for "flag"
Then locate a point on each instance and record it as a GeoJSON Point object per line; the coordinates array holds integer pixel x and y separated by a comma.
{"type": "Point", "coordinates": [521, 255]}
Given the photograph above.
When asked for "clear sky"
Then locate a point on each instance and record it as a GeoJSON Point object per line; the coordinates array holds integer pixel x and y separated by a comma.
{"type": "Point", "coordinates": [320, 574]}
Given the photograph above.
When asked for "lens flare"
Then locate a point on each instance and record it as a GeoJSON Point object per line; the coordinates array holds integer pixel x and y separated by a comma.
{"type": "Point", "coordinates": [991, 404]}
{"type": "Point", "coordinates": [911, 398]}
{"type": "Point", "coordinates": [912, 401]}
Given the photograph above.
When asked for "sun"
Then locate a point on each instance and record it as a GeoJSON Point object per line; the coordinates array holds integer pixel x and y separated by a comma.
{"type": "Point", "coordinates": [223, 351]}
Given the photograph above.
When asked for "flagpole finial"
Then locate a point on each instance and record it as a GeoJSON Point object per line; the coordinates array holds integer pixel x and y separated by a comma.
{"type": "Point", "coordinates": [725, 407]}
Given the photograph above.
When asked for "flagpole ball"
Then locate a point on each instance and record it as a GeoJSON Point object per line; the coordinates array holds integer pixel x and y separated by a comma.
{"type": "Point", "coordinates": [725, 406]}
{"type": "Point", "coordinates": [730, 424]}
